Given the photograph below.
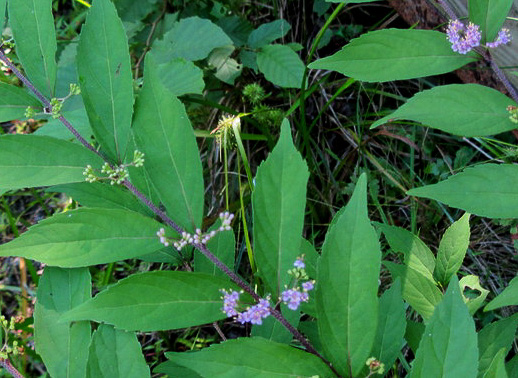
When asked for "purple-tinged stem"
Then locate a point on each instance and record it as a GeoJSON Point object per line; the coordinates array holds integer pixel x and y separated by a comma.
{"type": "Point", "coordinates": [10, 368]}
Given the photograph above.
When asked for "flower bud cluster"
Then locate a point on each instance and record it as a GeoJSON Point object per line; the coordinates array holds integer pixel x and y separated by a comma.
{"type": "Point", "coordinates": [138, 158]}
{"type": "Point", "coordinates": [503, 38]}
{"type": "Point", "coordinates": [89, 174]}
{"type": "Point", "coordinates": [513, 113]}
{"type": "Point", "coordinates": [56, 105]}
{"type": "Point", "coordinates": [375, 366]}
{"type": "Point", "coordinates": [463, 38]}
{"type": "Point", "coordinates": [117, 175]}
{"type": "Point", "coordinates": [6, 350]}
{"type": "Point", "coordinates": [74, 89]}
{"type": "Point", "coordinates": [198, 237]}
{"type": "Point", "coordinates": [295, 296]}
{"type": "Point", "coordinates": [30, 112]}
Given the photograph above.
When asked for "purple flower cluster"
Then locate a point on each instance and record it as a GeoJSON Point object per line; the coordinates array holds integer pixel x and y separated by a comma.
{"type": "Point", "coordinates": [503, 38]}
{"type": "Point", "coordinates": [255, 314]}
{"type": "Point", "coordinates": [463, 38]}
{"type": "Point", "coordinates": [230, 302]}
{"type": "Point", "coordinates": [294, 297]}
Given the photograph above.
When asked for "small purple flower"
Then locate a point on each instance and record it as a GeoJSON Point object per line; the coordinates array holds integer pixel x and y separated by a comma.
{"type": "Point", "coordinates": [230, 302]}
{"type": "Point", "coordinates": [463, 38]}
{"type": "Point", "coordinates": [299, 263]}
{"type": "Point", "coordinates": [293, 298]}
{"type": "Point", "coordinates": [255, 314]}
{"type": "Point", "coordinates": [308, 285]}
{"type": "Point", "coordinates": [503, 38]}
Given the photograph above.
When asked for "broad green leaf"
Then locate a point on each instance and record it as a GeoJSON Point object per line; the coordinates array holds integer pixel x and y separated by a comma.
{"type": "Point", "coordinates": [237, 28]}
{"type": "Point", "coordinates": [267, 33]}
{"type": "Point", "coordinates": [391, 326]}
{"type": "Point", "coordinates": [395, 54]}
{"type": "Point", "coordinates": [413, 334]}
{"type": "Point", "coordinates": [460, 109]}
{"type": "Point", "coordinates": [417, 255]}
{"type": "Point", "coordinates": [156, 301]}
{"type": "Point", "coordinates": [86, 237]}
{"type": "Point", "coordinates": [249, 59]}
{"type": "Point", "coordinates": [3, 4]}
{"type": "Point", "coordinates": [62, 346]}
{"type": "Point", "coordinates": [103, 65]}
{"type": "Point", "coordinates": [173, 370]}
{"type": "Point", "coordinates": [55, 129]}
{"type": "Point", "coordinates": [30, 160]}
{"type": "Point", "coordinates": [508, 297]}
{"type": "Point", "coordinates": [473, 302]}
{"type": "Point", "coordinates": [181, 76]}
{"type": "Point", "coordinates": [512, 367]}
{"type": "Point", "coordinates": [452, 249]}
{"type": "Point", "coordinates": [497, 367]}
{"type": "Point", "coordinates": [273, 330]}
{"type": "Point", "coordinates": [32, 25]}
{"type": "Point", "coordinates": [101, 195]}
{"type": "Point", "coordinates": [172, 161]}
{"type": "Point", "coordinates": [251, 357]}
{"type": "Point", "coordinates": [115, 354]}
{"type": "Point", "coordinates": [347, 285]}
{"type": "Point", "coordinates": [14, 101]}
{"type": "Point", "coordinates": [488, 190]}
{"type": "Point", "coordinates": [227, 68]}
{"type": "Point", "coordinates": [132, 14]}
{"type": "Point", "coordinates": [191, 38]}
{"type": "Point", "coordinates": [281, 65]}
{"type": "Point", "coordinates": [279, 201]}
{"type": "Point", "coordinates": [489, 15]}
{"type": "Point", "coordinates": [309, 328]}
{"type": "Point", "coordinates": [223, 246]}
{"type": "Point", "coordinates": [419, 291]}
{"type": "Point", "coordinates": [492, 338]}
{"type": "Point", "coordinates": [448, 347]}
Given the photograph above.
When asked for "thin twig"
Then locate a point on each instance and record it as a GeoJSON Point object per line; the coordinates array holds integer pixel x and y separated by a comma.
{"type": "Point", "coordinates": [10, 368]}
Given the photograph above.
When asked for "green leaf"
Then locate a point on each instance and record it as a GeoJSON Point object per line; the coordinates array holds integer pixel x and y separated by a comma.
{"type": "Point", "coordinates": [492, 338]}
{"type": "Point", "coordinates": [191, 38]}
{"type": "Point", "coordinates": [347, 285]}
{"type": "Point", "coordinates": [448, 347]}
{"type": "Point", "coordinates": [172, 161]}
{"type": "Point", "coordinates": [32, 25]}
{"type": "Point", "coordinates": [251, 357]}
{"type": "Point", "coordinates": [3, 4]}
{"type": "Point", "coordinates": [395, 54]}
{"type": "Point", "coordinates": [279, 201]}
{"type": "Point", "coordinates": [63, 347]}
{"type": "Point", "coordinates": [512, 367]}
{"type": "Point", "coordinates": [237, 28]}
{"type": "Point", "coordinates": [223, 246]}
{"type": "Point", "coordinates": [155, 301]}
{"type": "Point", "coordinates": [77, 117]}
{"type": "Point", "coordinates": [86, 237]}
{"type": "Point", "coordinates": [103, 65]}
{"type": "Point", "coordinates": [460, 109]}
{"type": "Point", "coordinates": [391, 326]}
{"type": "Point", "coordinates": [280, 65]}
{"type": "Point", "coordinates": [488, 190]}
{"type": "Point", "coordinates": [417, 255]}
{"type": "Point", "coordinates": [419, 291]}
{"type": "Point", "coordinates": [102, 195]}
{"type": "Point", "coordinates": [14, 101]}
{"type": "Point", "coordinates": [497, 367]}
{"type": "Point", "coordinates": [115, 354]}
{"type": "Point", "coordinates": [267, 33]}
{"type": "Point", "coordinates": [472, 282]}
{"type": "Point", "coordinates": [30, 160]}
{"type": "Point", "coordinates": [227, 68]}
{"type": "Point", "coordinates": [181, 76]}
{"type": "Point", "coordinates": [413, 334]}
{"type": "Point", "coordinates": [173, 370]}
{"type": "Point", "coordinates": [489, 15]}
{"type": "Point", "coordinates": [452, 249]}
{"type": "Point", "coordinates": [508, 297]}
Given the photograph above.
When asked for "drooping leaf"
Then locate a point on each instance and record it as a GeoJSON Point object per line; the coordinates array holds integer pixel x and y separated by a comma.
{"type": "Point", "coordinates": [448, 347]}
{"type": "Point", "coordinates": [172, 161]}
{"type": "Point", "coordinates": [267, 33]}
{"type": "Point", "coordinates": [488, 190]}
{"type": "Point", "coordinates": [191, 38]}
{"type": "Point", "coordinates": [492, 338]}
{"type": "Point", "coordinates": [62, 346]}
{"type": "Point", "coordinates": [489, 15]}
{"type": "Point", "coordinates": [101, 195]}
{"type": "Point", "coordinates": [278, 202]}
{"type": "Point", "coordinates": [508, 297]}
{"type": "Point", "coordinates": [86, 237]}
{"type": "Point", "coordinates": [419, 291]}
{"type": "Point", "coordinates": [460, 109]}
{"type": "Point", "coordinates": [394, 54]}
{"type": "Point", "coordinates": [103, 65]}
{"type": "Point", "coordinates": [251, 357]}
{"type": "Point", "coordinates": [391, 326]}
{"type": "Point", "coordinates": [280, 65]}
{"type": "Point", "coordinates": [157, 300]}
{"type": "Point", "coordinates": [497, 367]}
{"type": "Point", "coordinates": [417, 255]}
{"type": "Point", "coordinates": [115, 354]}
{"type": "Point", "coordinates": [452, 249]}
{"type": "Point", "coordinates": [30, 160]}
{"type": "Point", "coordinates": [32, 25]}
{"type": "Point", "coordinates": [14, 101]}
{"type": "Point", "coordinates": [227, 68]}
{"type": "Point", "coordinates": [473, 302]}
{"type": "Point", "coordinates": [223, 246]}
{"type": "Point", "coordinates": [181, 76]}
{"type": "Point", "coordinates": [347, 285]}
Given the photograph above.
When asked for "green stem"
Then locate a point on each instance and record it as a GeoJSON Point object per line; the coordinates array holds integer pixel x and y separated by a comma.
{"type": "Point", "coordinates": [242, 154]}
{"type": "Point", "coordinates": [249, 250]}
{"type": "Point", "coordinates": [225, 167]}
{"type": "Point", "coordinates": [107, 274]}
{"type": "Point", "coordinates": [413, 202]}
